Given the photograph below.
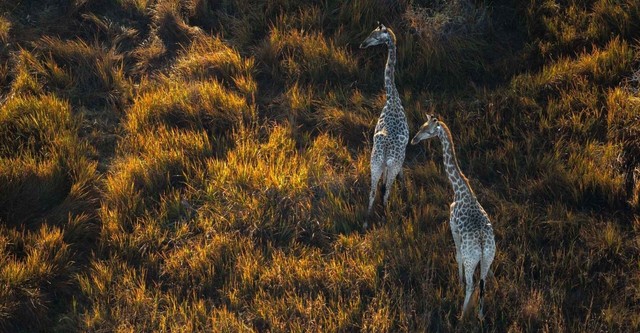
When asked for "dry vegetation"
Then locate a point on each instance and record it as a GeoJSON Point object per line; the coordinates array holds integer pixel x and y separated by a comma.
{"type": "Point", "coordinates": [189, 166]}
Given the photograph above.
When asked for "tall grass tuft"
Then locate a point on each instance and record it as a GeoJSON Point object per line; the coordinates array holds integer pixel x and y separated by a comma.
{"type": "Point", "coordinates": [447, 42]}
{"type": "Point", "coordinates": [210, 58]}
{"type": "Point", "coordinates": [190, 166]}
{"type": "Point", "coordinates": [5, 28]}
{"type": "Point", "coordinates": [39, 135]}
{"type": "Point", "coordinates": [305, 57]}
{"type": "Point", "coordinates": [622, 117]}
{"type": "Point", "coordinates": [88, 75]}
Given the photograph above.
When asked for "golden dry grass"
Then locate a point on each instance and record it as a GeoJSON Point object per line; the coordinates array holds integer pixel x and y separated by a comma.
{"type": "Point", "coordinates": [189, 166]}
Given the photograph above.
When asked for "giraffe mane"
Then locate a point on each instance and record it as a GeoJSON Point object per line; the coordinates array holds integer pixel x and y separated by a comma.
{"type": "Point", "coordinates": [392, 35]}
{"type": "Point", "coordinates": [447, 132]}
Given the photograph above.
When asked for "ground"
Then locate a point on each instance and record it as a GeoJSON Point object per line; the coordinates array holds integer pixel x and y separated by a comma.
{"type": "Point", "coordinates": [203, 165]}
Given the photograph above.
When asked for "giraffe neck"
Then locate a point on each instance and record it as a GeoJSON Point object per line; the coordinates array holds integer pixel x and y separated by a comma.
{"type": "Point", "coordinates": [389, 71]}
{"type": "Point", "coordinates": [459, 182]}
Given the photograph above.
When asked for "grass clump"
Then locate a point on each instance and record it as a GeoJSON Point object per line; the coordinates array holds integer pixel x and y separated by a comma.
{"type": "Point", "coordinates": [305, 57]}
{"type": "Point", "coordinates": [449, 41]}
{"type": "Point", "coordinates": [43, 161]}
{"type": "Point", "coordinates": [290, 190]}
{"type": "Point", "coordinates": [90, 76]}
{"type": "Point", "coordinates": [209, 58]}
{"type": "Point", "coordinates": [196, 106]}
{"type": "Point", "coordinates": [93, 74]}
{"type": "Point", "coordinates": [575, 25]}
{"type": "Point", "coordinates": [47, 200]}
{"type": "Point", "coordinates": [35, 125]}
{"type": "Point", "coordinates": [34, 280]}
{"type": "Point", "coordinates": [169, 32]}
{"type": "Point", "coordinates": [5, 28]}
{"type": "Point", "coordinates": [622, 115]}
{"type": "Point", "coordinates": [197, 166]}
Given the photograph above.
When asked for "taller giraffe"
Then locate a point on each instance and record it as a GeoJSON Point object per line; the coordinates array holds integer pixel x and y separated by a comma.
{"type": "Point", "coordinates": [470, 224]}
{"type": "Point", "coordinates": [392, 132]}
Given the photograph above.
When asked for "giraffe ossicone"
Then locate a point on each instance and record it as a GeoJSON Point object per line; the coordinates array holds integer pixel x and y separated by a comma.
{"type": "Point", "coordinates": [470, 225]}
{"type": "Point", "coordinates": [392, 132]}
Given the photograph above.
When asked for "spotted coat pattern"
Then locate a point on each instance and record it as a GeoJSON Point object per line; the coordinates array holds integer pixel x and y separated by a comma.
{"type": "Point", "coordinates": [392, 132]}
{"type": "Point", "coordinates": [470, 225]}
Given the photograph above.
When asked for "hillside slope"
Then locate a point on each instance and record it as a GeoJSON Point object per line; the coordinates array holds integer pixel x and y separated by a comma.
{"type": "Point", "coordinates": [201, 165]}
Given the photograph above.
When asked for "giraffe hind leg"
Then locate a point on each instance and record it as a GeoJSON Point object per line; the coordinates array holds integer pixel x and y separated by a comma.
{"type": "Point", "coordinates": [392, 171]}
{"type": "Point", "coordinates": [458, 241]}
{"type": "Point", "coordinates": [485, 264]}
{"type": "Point", "coordinates": [376, 172]}
{"type": "Point", "coordinates": [470, 265]}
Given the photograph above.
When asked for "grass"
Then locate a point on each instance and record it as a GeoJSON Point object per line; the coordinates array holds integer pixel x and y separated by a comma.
{"type": "Point", "coordinates": [196, 166]}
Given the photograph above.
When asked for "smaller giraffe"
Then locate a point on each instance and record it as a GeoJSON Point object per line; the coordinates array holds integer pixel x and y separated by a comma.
{"type": "Point", "coordinates": [470, 224]}
{"type": "Point", "coordinates": [392, 132]}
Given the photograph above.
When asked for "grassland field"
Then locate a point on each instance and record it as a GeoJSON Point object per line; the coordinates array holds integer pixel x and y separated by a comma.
{"type": "Point", "coordinates": [203, 165]}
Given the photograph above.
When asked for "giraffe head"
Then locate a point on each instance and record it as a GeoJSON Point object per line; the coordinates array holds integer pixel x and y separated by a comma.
{"type": "Point", "coordinates": [381, 35]}
{"type": "Point", "coordinates": [428, 130]}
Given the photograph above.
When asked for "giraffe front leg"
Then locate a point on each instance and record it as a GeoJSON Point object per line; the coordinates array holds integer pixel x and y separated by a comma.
{"type": "Point", "coordinates": [457, 239]}
{"type": "Point", "coordinates": [460, 266]}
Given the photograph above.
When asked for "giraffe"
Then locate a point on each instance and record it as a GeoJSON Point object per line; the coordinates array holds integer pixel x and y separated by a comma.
{"type": "Point", "coordinates": [470, 224]}
{"type": "Point", "coordinates": [392, 132]}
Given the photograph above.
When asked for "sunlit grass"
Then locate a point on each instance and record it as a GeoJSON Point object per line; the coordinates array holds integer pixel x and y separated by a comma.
{"type": "Point", "coordinates": [5, 28]}
{"type": "Point", "coordinates": [296, 55]}
{"type": "Point", "coordinates": [189, 166]}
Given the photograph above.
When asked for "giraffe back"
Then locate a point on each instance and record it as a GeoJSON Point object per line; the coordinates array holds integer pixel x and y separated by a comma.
{"type": "Point", "coordinates": [470, 217]}
{"type": "Point", "coordinates": [392, 131]}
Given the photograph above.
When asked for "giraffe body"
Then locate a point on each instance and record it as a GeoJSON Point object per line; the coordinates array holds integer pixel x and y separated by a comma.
{"type": "Point", "coordinates": [470, 225]}
{"type": "Point", "coordinates": [392, 132]}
